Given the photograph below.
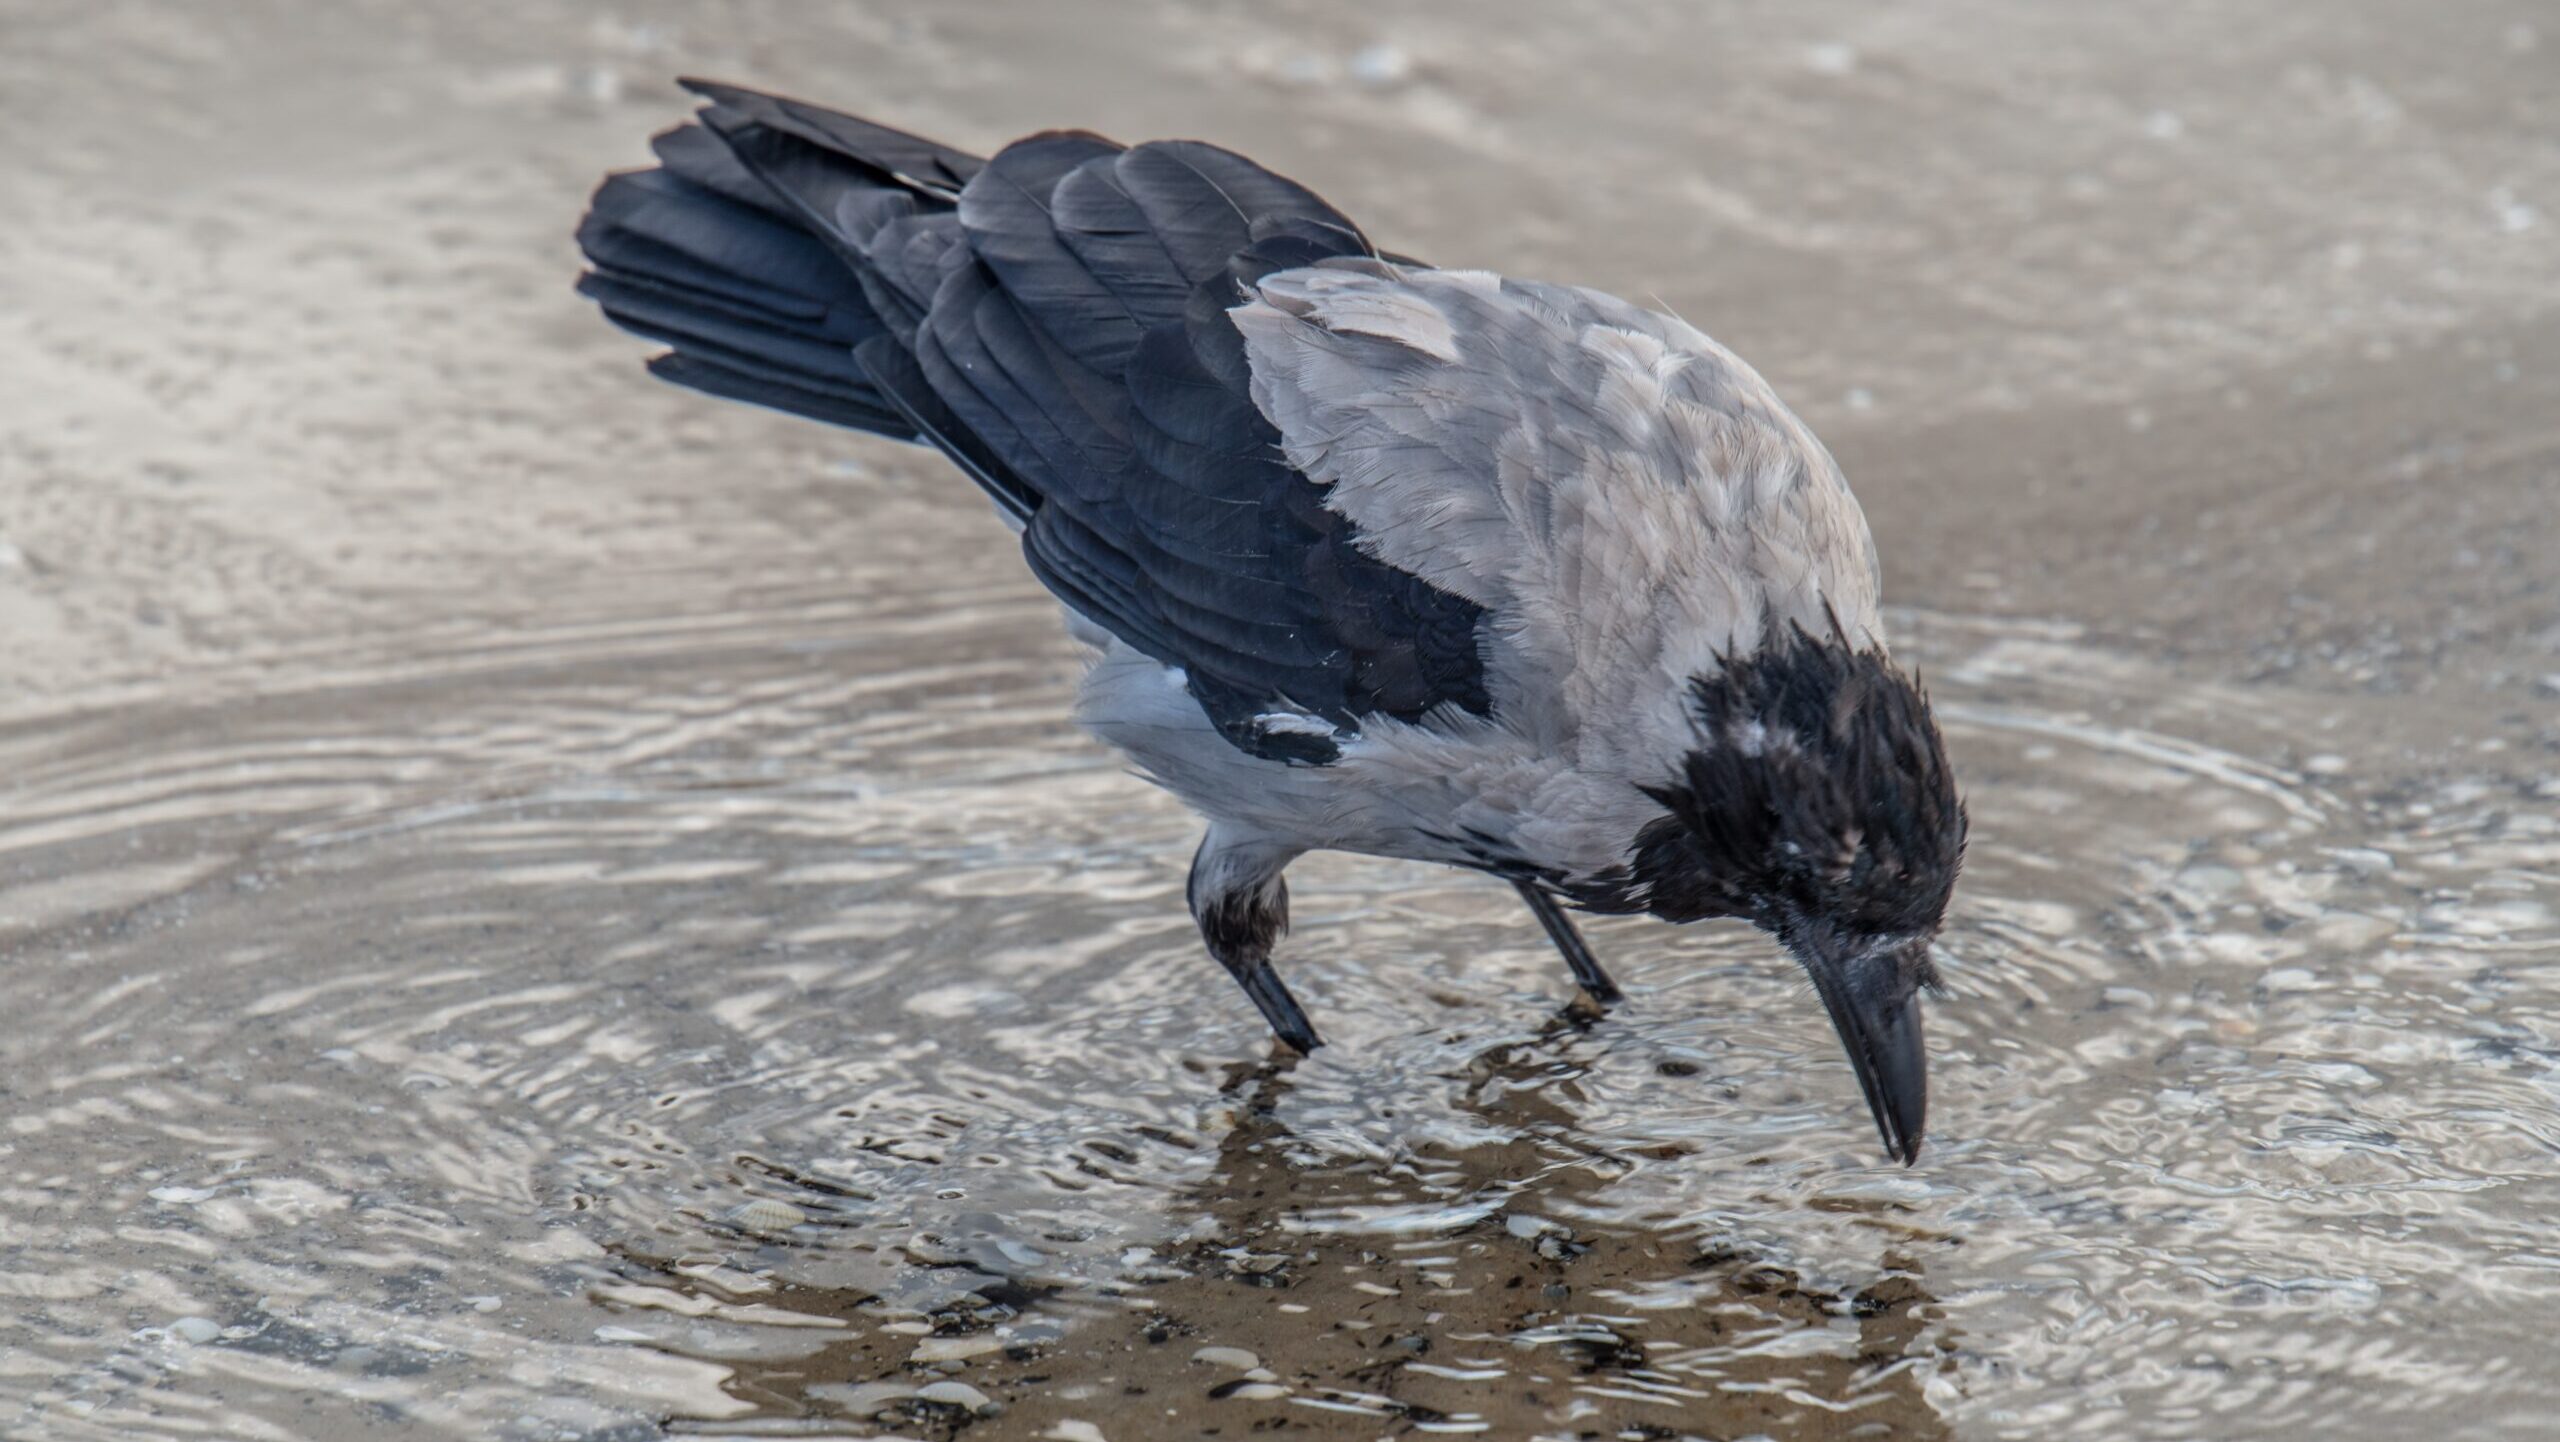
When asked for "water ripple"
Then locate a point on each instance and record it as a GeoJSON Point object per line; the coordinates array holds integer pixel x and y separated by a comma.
{"type": "Point", "coordinates": [722, 1025]}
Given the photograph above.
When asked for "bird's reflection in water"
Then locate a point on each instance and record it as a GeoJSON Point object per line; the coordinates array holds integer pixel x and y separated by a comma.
{"type": "Point", "coordinates": [1461, 1290]}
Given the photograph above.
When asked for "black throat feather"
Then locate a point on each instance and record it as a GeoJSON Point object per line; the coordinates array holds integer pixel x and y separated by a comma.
{"type": "Point", "coordinates": [1819, 789]}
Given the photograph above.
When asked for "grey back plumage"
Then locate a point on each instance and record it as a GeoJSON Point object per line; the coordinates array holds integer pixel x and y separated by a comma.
{"type": "Point", "coordinates": [1626, 499]}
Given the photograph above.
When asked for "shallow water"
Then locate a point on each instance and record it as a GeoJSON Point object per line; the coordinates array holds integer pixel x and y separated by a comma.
{"type": "Point", "coordinates": [537, 907]}
{"type": "Point", "coordinates": [429, 1043]}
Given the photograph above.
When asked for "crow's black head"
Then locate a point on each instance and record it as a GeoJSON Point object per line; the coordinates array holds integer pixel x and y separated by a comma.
{"type": "Point", "coordinates": [1818, 791]}
{"type": "Point", "coordinates": [1818, 805]}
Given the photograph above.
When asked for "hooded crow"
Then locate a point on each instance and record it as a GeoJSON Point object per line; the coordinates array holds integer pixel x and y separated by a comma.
{"type": "Point", "coordinates": [1373, 556]}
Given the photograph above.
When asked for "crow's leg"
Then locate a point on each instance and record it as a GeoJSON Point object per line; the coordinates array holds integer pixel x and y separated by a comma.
{"type": "Point", "coordinates": [1577, 952]}
{"type": "Point", "coordinates": [1242, 906]}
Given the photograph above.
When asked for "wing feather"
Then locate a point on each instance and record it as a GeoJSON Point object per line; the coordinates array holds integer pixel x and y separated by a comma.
{"type": "Point", "coordinates": [1057, 319]}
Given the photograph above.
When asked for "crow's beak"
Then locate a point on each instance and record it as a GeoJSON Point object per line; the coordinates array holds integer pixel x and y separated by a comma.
{"type": "Point", "coordinates": [1877, 1014]}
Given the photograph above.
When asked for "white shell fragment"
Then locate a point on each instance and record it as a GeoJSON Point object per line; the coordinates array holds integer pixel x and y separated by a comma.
{"type": "Point", "coordinates": [956, 1394]}
{"type": "Point", "coordinates": [766, 1217]}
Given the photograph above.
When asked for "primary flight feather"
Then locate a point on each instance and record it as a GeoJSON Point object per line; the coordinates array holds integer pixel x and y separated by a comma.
{"type": "Point", "coordinates": [1374, 556]}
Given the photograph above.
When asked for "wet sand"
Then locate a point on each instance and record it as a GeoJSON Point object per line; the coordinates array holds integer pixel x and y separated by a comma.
{"type": "Point", "coordinates": [550, 907]}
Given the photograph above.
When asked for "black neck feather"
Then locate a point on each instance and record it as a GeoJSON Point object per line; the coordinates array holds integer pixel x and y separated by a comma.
{"type": "Point", "coordinates": [1819, 790]}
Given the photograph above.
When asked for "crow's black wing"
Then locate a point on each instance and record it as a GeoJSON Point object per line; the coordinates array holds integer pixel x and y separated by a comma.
{"type": "Point", "coordinates": [1091, 346]}
{"type": "Point", "coordinates": [1056, 319]}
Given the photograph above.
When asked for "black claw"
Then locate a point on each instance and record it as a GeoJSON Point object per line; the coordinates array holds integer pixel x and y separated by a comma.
{"type": "Point", "coordinates": [1288, 1020]}
{"type": "Point", "coordinates": [1568, 939]}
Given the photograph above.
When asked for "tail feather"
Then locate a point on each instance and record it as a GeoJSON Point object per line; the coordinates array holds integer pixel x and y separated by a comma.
{"type": "Point", "coordinates": [787, 254]}
{"type": "Point", "coordinates": [890, 156]}
{"type": "Point", "coordinates": [651, 227]}
{"type": "Point", "coordinates": [756, 311]}
{"type": "Point", "coordinates": [883, 200]}
{"type": "Point", "coordinates": [745, 251]}
{"type": "Point", "coordinates": [692, 153]}
{"type": "Point", "coordinates": [739, 354]}
{"type": "Point", "coordinates": [698, 371]}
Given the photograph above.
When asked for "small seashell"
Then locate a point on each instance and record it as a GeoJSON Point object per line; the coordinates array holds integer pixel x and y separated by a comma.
{"type": "Point", "coordinates": [198, 1330]}
{"type": "Point", "coordinates": [956, 1349]}
{"type": "Point", "coordinates": [766, 1217]}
